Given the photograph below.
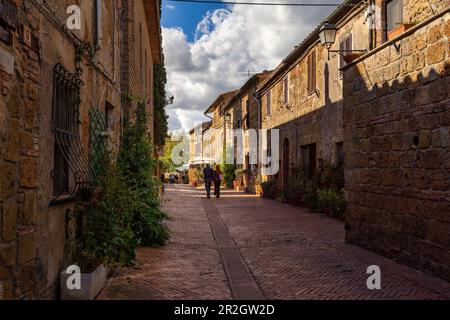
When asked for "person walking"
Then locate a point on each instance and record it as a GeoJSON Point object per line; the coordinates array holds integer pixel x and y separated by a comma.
{"type": "Point", "coordinates": [208, 176]}
{"type": "Point", "coordinates": [217, 177]}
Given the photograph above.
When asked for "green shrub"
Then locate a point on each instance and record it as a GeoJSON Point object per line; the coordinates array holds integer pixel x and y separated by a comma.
{"type": "Point", "coordinates": [296, 189]}
{"type": "Point", "coordinates": [270, 190]}
{"type": "Point", "coordinates": [331, 177]}
{"type": "Point", "coordinates": [332, 201]}
{"type": "Point", "coordinates": [137, 165]}
{"type": "Point", "coordinates": [108, 237]}
{"type": "Point", "coordinates": [311, 196]}
{"type": "Point", "coordinates": [229, 174]}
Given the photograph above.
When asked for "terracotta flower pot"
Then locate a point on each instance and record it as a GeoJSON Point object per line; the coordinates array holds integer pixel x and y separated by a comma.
{"type": "Point", "coordinates": [394, 33]}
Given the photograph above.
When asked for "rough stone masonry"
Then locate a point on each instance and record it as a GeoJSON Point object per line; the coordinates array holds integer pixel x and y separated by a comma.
{"type": "Point", "coordinates": [397, 140]}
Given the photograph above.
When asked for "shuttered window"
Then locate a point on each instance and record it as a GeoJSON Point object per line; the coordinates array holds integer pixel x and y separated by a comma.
{"type": "Point", "coordinates": [312, 72]}
{"type": "Point", "coordinates": [345, 46]}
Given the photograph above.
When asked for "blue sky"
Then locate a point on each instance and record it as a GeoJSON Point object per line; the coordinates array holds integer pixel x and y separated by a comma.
{"type": "Point", "coordinates": [185, 15]}
{"type": "Point", "coordinates": [231, 40]}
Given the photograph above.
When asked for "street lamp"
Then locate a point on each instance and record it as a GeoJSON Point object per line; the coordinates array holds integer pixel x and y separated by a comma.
{"type": "Point", "coordinates": [170, 100]}
{"type": "Point", "coordinates": [327, 35]}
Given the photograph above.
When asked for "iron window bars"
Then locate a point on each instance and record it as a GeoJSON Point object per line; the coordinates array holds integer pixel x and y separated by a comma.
{"type": "Point", "coordinates": [74, 178]}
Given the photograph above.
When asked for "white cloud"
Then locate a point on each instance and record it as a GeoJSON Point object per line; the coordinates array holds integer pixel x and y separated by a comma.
{"type": "Point", "coordinates": [229, 43]}
{"type": "Point", "coordinates": [170, 6]}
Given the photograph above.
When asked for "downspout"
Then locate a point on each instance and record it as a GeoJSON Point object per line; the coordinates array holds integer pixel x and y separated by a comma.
{"type": "Point", "coordinates": [372, 23]}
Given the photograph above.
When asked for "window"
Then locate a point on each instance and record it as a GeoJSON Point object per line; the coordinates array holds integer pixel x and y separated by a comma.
{"type": "Point", "coordinates": [72, 174]}
{"type": "Point", "coordinates": [60, 170]}
{"type": "Point", "coordinates": [394, 14]}
{"type": "Point", "coordinates": [340, 158]}
{"type": "Point", "coordinates": [345, 45]}
{"type": "Point", "coordinates": [268, 103]}
{"type": "Point", "coordinates": [286, 89]}
{"type": "Point", "coordinates": [309, 159]}
{"type": "Point", "coordinates": [65, 126]}
{"type": "Point", "coordinates": [312, 72]}
{"type": "Point", "coordinates": [109, 116]}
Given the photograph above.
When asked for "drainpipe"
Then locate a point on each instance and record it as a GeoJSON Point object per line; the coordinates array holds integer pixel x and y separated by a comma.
{"type": "Point", "coordinates": [372, 23]}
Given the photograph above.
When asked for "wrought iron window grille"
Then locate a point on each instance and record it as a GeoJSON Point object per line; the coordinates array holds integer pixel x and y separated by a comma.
{"type": "Point", "coordinates": [80, 183]}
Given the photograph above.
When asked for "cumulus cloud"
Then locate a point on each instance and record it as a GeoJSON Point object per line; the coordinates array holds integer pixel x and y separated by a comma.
{"type": "Point", "coordinates": [228, 44]}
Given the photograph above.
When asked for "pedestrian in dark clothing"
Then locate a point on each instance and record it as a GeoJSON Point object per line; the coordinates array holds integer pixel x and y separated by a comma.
{"type": "Point", "coordinates": [208, 176]}
{"type": "Point", "coordinates": [218, 177]}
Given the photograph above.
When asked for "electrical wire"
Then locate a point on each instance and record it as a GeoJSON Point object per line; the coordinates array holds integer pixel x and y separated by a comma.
{"type": "Point", "coordinates": [267, 3]}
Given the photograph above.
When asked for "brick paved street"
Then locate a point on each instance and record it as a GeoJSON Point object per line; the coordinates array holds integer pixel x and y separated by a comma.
{"type": "Point", "coordinates": [244, 247]}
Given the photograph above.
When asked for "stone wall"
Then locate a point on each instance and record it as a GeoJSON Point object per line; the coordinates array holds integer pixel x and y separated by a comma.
{"type": "Point", "coordinates": [397, 146]}
{"type": "Point", "coordinates": [35, 239]}
{"type": "Point", "coordinates": [314, 117]}
{"type": "Point", "coordinates": [137, 61]}
{"type": "Point", "coordinates": [19, 153]}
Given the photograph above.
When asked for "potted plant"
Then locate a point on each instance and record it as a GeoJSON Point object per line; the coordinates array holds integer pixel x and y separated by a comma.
{"type": "Point", "coordinates": [399, 29]}
{"type": "Point", "coordinates": [107, 238]}
{"type": "Point", "coordinates": [258, 186]}
{"type": "Point", "coordinates": [238, 182]}
{"type": "Point", "coordinates": [86, 287]}
{"type": "Point", "coordinates": [332, 203]}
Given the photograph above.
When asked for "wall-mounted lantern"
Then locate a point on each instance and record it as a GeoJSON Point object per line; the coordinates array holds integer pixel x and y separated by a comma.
{"type": "Point", "coordinates": [327, 35]}
{"type": "Point", "coordinates": [228, 118]}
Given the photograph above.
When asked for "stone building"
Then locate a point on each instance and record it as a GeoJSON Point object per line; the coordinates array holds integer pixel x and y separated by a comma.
{"type": "Point", "coordinates": [200, 139]}
{"type": "Point", "coordinates": [61, 93]}
{"type": "Point", "coordinates": [385, 112]}
{"type": "Point", "coordinates": [397, 141]}
{"type": "Point", "coordinates": [302, 97]}
{"type": "Point", "coordinates": [244, 114]}
{"type": "Point", "coordinates": [218, 125]}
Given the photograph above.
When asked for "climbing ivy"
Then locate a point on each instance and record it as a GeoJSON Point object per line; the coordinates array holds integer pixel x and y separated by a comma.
{"type": "Point", "coordinates": [161, 122]}
{"type": "Point", "coordinates": [137, 165]}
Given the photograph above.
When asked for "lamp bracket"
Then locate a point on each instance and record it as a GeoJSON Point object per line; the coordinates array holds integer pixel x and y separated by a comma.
{"type": "Point", "coordinates": [345, 52]}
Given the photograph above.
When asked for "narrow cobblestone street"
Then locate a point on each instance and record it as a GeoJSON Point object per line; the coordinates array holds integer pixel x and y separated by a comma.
{"type": "Point", "coordinates": [244, 247]}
